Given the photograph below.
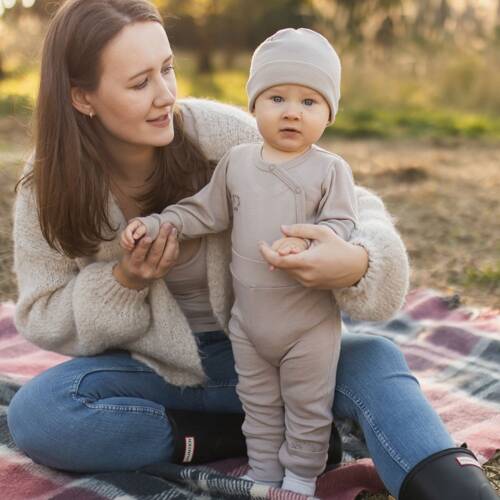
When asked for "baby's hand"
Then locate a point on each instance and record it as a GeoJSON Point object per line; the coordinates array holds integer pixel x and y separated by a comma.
{"type": "Point", "coordinates": [290, 245]}
{"type": "Point", "coordinates": [132, 233]}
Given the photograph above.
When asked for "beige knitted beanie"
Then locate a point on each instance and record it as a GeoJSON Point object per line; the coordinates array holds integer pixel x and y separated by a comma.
{"type": "Point", "coordinates": [296, 56]}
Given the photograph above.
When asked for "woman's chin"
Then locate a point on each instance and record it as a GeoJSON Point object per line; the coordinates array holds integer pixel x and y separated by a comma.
{"type": "Point", "coordinates": [161, 140]}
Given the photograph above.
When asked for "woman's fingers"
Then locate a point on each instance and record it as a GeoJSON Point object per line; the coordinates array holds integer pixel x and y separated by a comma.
{"type": "Point", "coordinates": [138, 254]}
{"type": "Point", "coordinates": [308, 231]}
{"type": "Point", "coordinates": [170, 253]}
{"type": "Point", "coordinates": [151, 260]}
{"type": "Point", "coordinates": [157, 248]}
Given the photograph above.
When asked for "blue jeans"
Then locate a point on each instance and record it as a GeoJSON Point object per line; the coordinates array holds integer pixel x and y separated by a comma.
{"type": "Point", "coordinates": [107, 412]}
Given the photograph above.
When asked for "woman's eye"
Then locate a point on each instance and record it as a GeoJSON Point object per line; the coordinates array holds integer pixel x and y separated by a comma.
{"type": "Point", "coordinates": [167, 69]}
{"type": "Point", "coordinates": [276, 98]}
{"type": "Point", "coordinates": [141, 85]}
{"type": "Point", "coordinates": [164, 71]}
{"type": "Point", "coordinates": [309, 102]}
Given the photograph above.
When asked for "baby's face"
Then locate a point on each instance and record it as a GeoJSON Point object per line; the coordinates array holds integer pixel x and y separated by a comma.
{"type": "Point", "coordinates": [291, 117]}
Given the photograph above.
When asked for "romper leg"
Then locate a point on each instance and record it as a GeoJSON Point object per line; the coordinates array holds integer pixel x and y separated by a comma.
{"type": "Point", "coordinates": [307, 375]}
{"type": "Point", "coordinates": [259, 391]}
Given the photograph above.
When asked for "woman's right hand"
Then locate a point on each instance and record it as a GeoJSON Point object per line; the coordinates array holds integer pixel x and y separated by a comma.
{"type": "Point", "coordinates": [149, 260]}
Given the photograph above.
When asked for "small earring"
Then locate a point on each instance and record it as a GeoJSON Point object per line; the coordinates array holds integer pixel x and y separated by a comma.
{"type": "Point", "coordinates": [91, 115]}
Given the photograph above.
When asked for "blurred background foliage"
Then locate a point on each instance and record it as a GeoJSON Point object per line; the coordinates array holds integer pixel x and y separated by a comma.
{"type": "Point", "coordinates": [410, 68]}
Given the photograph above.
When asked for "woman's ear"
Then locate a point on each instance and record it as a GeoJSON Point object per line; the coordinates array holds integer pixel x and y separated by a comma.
{"type": "Point", "coordinates": [80, 101]}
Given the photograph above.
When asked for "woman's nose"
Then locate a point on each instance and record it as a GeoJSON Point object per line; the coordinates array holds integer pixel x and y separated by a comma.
{"type": "Point", "coordinates": [166, 93]}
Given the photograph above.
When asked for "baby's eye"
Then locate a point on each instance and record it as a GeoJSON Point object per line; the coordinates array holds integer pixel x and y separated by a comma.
{"type": "Point", "coordinates": [277, 98]}
{"type": "Point", "coordinates": [309, 102]}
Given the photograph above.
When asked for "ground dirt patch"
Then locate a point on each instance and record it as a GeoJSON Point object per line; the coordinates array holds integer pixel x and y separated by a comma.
{"type": "Point", "coordinates": [445, 198]}
{"type": "Point", "coordinates": [446, 201]}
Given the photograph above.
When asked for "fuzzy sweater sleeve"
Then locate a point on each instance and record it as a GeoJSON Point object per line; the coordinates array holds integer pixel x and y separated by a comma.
{"type": "Point", "coordinates": [381, 291]}
{"type": "Point", "coordinates": [62, 307]}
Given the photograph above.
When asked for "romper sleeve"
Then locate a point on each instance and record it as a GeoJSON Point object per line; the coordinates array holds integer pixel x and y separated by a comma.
{"type": "Point", "coordinates": [338, 206]}
{"type": "Point", "coordinates": [208, 211]}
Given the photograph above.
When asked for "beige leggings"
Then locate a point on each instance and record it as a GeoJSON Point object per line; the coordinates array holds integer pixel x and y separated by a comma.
{"type": "Point", "coordinates": [286, 378]}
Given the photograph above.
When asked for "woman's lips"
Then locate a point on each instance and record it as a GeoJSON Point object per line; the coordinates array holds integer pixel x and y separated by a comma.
{"type": "Point", "coordinates": [161, 121]}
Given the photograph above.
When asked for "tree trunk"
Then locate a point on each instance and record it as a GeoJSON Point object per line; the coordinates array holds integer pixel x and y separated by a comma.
{"type": "Point", "coordinates": [2, 71]}
{"type": "Point", "coordinates": [205, 63]}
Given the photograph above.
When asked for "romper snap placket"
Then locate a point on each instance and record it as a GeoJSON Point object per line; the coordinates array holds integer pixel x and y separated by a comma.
{"type": "Point", "coordinates": [295, 188]}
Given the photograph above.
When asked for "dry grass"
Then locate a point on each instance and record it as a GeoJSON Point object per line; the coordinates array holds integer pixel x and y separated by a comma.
{"type": "Point", "coordinates": [13, 148]}
{"type": "Point", "coordinates": [445, 198]}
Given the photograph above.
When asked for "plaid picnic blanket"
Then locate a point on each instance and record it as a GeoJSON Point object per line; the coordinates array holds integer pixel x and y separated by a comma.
{"type": "Point", "coordinates": [454, 352]}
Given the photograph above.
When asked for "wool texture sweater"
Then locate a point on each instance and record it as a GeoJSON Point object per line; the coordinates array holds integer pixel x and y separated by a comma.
{"type": "Point", "coordinates": [76, 307]}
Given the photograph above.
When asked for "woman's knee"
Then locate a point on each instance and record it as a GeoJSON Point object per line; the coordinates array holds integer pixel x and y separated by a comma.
{"type": "Point", "coordinates": [370, 353]}
{"type": "Point", "coordinates": [32, 419]}
{"type": "Point", "coordinates": [370, 368]}
{"type": "Point", "coordinates": [55, 425]}
{"type": "Point", "coordinates": [41, 416]}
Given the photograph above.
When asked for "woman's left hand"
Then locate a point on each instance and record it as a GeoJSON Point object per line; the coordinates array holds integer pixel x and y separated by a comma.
{"type": "Point", "coordinates": [329, 263]}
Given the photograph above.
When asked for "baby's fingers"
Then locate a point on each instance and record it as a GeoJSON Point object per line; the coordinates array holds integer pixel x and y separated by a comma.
{"type": "Point", "coordinates": [286, 250]}
{"type": "Point", "coordinates": [126, 241]}
{"type": "Point", "coordinates": [277, 244]}
{"type": "Point", "coordinates": [126, 246]}
{"type": "Point", "coordinates": [139, 232]}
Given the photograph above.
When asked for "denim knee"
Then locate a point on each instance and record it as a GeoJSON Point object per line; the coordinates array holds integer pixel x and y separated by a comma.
{"type": "Point", "coordinates": [54, 425]}
{"type": "Point", "coordinates": [369, 352]}
{"type": "Point", "coordinates": [371, 367]}
{"type": "Point", "coordinates": [26, 422]}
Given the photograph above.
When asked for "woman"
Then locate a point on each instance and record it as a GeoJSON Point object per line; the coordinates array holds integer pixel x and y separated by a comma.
{"type": "Point", "coordinates": [146, 327]}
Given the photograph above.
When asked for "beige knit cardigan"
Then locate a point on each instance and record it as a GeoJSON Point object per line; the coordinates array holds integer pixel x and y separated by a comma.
{"type": "Point", "coordinates": [76, 307]}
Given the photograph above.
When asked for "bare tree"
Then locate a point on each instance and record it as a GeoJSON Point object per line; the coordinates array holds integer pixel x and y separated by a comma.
{"type": "Point", "coordinates": [2, 71]}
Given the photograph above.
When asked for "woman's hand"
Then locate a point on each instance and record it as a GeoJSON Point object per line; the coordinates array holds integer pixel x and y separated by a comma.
{"type": "Point", "coordinates": [149, 260]}
{"type": "Point", "coordinates": [329, 263]}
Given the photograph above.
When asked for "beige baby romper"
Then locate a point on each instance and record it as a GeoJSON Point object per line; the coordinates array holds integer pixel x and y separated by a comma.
{"type": "Point", "coordinates": [285, 337]}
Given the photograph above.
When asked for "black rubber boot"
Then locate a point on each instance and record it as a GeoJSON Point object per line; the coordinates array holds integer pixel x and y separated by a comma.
{"type": "Point", "coordinates": [335, 448]}
{"type": "Point", "coordinates": [201, 437]}
{"type": "Point", "coordinates": [453, 474]}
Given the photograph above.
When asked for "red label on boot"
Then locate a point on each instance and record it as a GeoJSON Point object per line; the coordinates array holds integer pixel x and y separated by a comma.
{"type": "Point", "coordinates": [188, 449]}
{"type": "Point", "coordinates": [468, 461]}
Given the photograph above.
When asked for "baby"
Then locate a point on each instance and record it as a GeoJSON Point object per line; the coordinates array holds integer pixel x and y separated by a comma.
{"type": "Point", "coordinates": [285, 337]}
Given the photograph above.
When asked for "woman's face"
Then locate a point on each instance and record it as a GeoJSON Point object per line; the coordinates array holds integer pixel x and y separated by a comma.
{"type": "Point", "coordinates": [137, 89]}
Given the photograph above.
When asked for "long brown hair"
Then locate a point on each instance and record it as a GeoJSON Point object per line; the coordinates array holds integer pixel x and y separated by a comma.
{"type": "Point", "coordinates": [70, 174]}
